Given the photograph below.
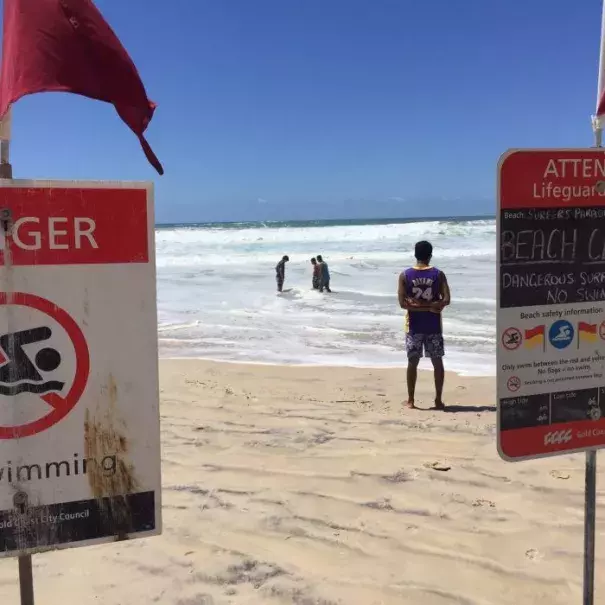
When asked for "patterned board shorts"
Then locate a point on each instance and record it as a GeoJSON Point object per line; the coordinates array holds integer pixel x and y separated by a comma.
{"type": "Point", "coordinates": [429, 344]}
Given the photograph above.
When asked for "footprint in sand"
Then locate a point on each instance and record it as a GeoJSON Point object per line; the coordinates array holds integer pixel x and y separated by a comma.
{"type": "Point", "coordinates": [381, 504]}
{"type": "Point", "coordinates": [482, 502]}
{"type": "Point", "coordinates": [533, 555]}
{"type": "Point", "coordinates": [438, 466]}
{"type": "Point", "coordinates": [559, 474]}
{"type": "Point", "coordinates": [400, 476]}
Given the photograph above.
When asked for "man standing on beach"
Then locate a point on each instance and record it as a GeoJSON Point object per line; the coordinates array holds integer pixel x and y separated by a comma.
{"type": "Point", "coordinates": [280, 273]}
{"type": "Point", "coordinates": [324, 274]}
{"type": "Point", "coordinates": [423, 292]}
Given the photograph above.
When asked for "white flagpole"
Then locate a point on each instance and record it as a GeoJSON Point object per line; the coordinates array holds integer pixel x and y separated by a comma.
{"type": "Point", "coordinates": [590, 475]}
{"type": "Point", "coordinates": [26, 577]}
{"type": "Point", "coordinates": [5, 138]}
{"type": "Point", "coordinates": [598, 122]}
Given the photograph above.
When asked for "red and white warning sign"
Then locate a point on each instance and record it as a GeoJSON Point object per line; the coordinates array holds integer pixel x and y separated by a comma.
{"type": "Point", "coordinates": [45, 360]}
{"type": "Point", "coordinates": [79, 403]}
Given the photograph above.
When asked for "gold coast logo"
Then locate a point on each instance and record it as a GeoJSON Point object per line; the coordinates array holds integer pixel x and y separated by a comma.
{"type": "Point", "coordinates": [558, 437]}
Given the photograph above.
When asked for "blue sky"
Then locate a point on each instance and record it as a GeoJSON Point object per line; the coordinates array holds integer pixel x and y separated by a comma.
{"type": "Point", "coordinates": [295, 109]}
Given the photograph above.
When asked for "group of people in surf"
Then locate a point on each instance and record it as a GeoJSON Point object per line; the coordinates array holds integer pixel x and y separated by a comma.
{"type": "Point", "coordinates": [320, 278]}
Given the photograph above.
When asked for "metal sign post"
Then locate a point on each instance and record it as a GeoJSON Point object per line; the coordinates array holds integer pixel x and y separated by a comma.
{"type": "Point", "coordinates": [590, 479]}
{"type": "Point", "coordinates": [26, 580]}
{"type": "Point", "coordinates": [590, 493]}
{"type": "Point", "coordinates": [26, 576]}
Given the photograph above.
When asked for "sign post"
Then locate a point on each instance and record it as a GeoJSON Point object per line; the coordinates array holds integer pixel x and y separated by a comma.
{"type": "Point", "coordinates": [590, 504]}
{"type": "Point", "coordinates": [551, 312]}
{"type": "Point", "coordinates": [26, 576]}
{"type": "Point", "coordinates": [590, 480]}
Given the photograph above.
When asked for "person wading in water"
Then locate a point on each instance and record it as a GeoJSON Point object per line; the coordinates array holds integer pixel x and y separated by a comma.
{"type": "Point", "coordinates": [280, 273]}
{"type": "Point", "coordinates": [316, 278]}
{"type": "Point", "coordinates": [324, 274]}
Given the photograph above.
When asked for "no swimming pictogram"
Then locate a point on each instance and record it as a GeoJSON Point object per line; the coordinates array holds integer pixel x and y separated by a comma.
{"type": "Point", "coordinates": [513, 384]}
{"type": "Point", "coordinates": [512, 338]}
{"type": "Point", "coordinates": [21, 372]}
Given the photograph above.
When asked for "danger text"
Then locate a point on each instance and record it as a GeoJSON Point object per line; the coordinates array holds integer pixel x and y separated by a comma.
{"type": "Point", "coordinates": [52, 233]}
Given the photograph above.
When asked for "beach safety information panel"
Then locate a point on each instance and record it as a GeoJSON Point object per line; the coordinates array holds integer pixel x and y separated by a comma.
{"type": "Point", "coordinates": [79, 404]}
{"type": "Point", "coordinates": [551, 302]}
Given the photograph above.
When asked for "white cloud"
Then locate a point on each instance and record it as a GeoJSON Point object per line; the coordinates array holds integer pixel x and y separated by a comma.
{"type": "Point", "coordinates": [261, 200]}
{"type": "Point", "coordinates": [397, 198]}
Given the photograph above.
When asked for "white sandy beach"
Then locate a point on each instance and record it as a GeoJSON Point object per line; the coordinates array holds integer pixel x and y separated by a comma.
{"type": "Point", "coordinates": [312, 486]}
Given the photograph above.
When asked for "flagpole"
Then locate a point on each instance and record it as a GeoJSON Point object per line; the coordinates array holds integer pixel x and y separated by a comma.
{"type": "Point", "coordinates": [597, 120]}
{"type": "Point", "coordinates": [26, 575]}
{"type": "Point", "coordinates": [6, 170]}
{"type": "Point", "coordinates": [590, 475]}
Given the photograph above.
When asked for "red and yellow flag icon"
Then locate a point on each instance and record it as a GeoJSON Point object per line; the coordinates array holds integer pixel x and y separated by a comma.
{"type": "Point", "coordinates": [587, 332]}
{"type": "Point", "coordinates": [535, 337]}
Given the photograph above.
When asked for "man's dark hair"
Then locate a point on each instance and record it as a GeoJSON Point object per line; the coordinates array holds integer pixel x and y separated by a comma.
{"type": "Point", "coordinates": [423, 251]}
{"type": "Point", "coordinates": [320, 258]}
{"type": "Point", "coordinates": [286, 258]}
{"type": "Point", "coordinates": [313, 260]}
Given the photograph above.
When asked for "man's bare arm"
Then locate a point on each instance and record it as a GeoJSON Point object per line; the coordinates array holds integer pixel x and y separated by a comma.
{"type": "Point", "coordinates": [401, 293]}
{"type": "Point", "coordinates": [405, 302]}
{"type": "Point", "coordinates": [446, 297]}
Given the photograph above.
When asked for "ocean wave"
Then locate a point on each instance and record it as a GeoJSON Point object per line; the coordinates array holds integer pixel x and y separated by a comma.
{"type": "Point", "coordinates": [293, 235]}
{"type": "Point", "coordinates": [207, 262]}
{"type": "Point", "coordinates": [217, 296]}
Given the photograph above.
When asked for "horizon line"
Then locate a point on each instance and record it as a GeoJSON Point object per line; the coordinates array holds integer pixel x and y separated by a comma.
{"type": "Point", "coordinates": [424, 219]}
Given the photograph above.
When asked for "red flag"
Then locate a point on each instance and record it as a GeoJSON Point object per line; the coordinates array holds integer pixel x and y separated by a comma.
{"type": "Point", "coordinates": [67, 46]}
{"type": "Point", "coordinates": [534, 332]}
{"type": "Point", "coordinates": [585, 327]}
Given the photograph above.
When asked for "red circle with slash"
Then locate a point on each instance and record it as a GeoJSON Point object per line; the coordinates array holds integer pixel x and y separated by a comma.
{"type": "Point", "coordinates": [61, 406]}
{"type": "Point", "coordinates": [513, 384]}
{"type": "Point", "coordinates": [512, 338]}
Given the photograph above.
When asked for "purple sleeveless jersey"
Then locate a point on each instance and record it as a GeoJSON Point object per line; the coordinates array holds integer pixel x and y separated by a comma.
{"type": "Point", "coordinates": [423, 285]}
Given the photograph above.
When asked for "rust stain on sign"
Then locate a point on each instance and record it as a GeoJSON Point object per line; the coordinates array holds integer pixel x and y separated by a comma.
{"type": "Point", "coordinates": [106, 444]}
{"type": "Point", "coordinates": [104, 441]}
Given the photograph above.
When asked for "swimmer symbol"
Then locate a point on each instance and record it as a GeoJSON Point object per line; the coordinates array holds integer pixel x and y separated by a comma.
{"type": "Point", "coordinates": [18, 372]}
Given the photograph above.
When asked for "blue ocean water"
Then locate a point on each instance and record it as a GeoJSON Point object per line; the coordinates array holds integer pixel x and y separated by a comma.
{"type": "Point", "coordinates": [217, 297]}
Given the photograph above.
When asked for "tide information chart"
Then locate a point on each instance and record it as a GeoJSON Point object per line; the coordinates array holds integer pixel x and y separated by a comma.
{"type": "Point", "coordinates": [551, 302]}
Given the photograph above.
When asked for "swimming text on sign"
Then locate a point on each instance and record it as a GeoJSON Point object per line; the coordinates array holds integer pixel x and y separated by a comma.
{"type": "Point", "coordinates": [55, 469]}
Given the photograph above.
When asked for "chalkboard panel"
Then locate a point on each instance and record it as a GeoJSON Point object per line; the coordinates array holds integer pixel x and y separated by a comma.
{"type": "Point", "coordinates": [575, 406]}
{"type": "Point", "coordinates": [524, 411]}
{"type": "Point", "coordinates": [552, 256]}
